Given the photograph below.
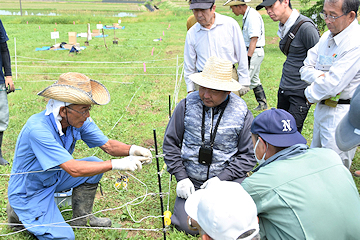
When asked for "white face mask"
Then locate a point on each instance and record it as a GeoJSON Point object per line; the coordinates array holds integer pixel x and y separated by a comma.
{"type": "Point", "coordinates": [262, 160]}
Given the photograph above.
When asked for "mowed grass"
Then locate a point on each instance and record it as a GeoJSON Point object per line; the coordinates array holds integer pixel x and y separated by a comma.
{"type": "Point", "coordinates": [139, 100]}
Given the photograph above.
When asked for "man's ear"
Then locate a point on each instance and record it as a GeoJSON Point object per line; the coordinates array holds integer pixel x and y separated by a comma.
{"type": "Point", "coordinates": [62, 111]}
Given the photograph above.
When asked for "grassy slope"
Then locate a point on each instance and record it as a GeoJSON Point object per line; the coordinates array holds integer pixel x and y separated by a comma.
{"type": "Point", "coordinates": [130, 123]}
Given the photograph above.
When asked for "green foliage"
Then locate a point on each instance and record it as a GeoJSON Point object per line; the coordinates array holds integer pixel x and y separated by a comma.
{"type": "Point", "coordinates": [122, 73]}
{"type": "Point", "coordinates": [313, 13]}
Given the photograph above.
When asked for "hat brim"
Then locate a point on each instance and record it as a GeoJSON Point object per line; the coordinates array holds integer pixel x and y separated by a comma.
{"type": "Point", "coordinates": [66, 93]}
{"type": "Point", "coordinates": [283, 140]}
{"type": "Point", "coordinates": [200, 5]}
{"type": "Point", "coordinates": [345, 136]}
{"type": "Point", "coordinates": [192, 203]}
{"type": "Point", "coordinates": [265, 3]}
{"type": "Point", "coordinates": [234, 3]}
{"type": "Point", "coordinates": [199, 79]}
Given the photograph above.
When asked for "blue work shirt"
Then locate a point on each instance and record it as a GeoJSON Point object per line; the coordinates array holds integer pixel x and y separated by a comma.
{"type": "Point", "coordinates": [3, 38]}
{"type": "Point", "coordinates": [40, 147]}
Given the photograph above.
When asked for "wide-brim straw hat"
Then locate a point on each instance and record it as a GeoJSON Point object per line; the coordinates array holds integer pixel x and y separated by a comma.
{"type": "Point", "coordinates": [77, 88]}
{"type": "Point", "coordinates": [217, 74]}
{"type": "Point", "coordinates": [235, 2]}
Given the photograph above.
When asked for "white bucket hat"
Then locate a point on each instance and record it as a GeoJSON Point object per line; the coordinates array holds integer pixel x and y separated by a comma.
{"type": "Point", "coordinates": [77, 88]}
{"type": "Point", "coordinates": [224, 211]}
{"type": "Point", "coordinates": [217, 74]}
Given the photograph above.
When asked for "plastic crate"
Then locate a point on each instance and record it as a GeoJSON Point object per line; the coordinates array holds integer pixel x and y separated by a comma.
{"type": "Point", "coordinates": [63, 199]}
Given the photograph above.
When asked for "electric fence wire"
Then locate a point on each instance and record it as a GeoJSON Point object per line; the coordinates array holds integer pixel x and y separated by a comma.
{"type": "Point", "coordinates": [132, 202]}
{"type": "Point", "coordinates": [121, 115]}
{"type": "Point", "coordinates": [126, 62]}
{"type": "Point", "coordinates": [177, 87]}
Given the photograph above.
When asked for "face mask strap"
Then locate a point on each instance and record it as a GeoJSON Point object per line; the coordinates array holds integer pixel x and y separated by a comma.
{"type": "Point", "coordinates": [263, 157]}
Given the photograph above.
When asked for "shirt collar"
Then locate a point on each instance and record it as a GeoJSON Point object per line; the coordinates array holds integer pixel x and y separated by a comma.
{"type": "Point", "coordinates": [218, 21]}
{"type": "Point", "coordinates": [344, 33]}
{"type": "Point", "coordinates": [284, 28]}
{"type": "Point", "coordinates": [287, 153]}
{"type": "Point", "coordinates": [246, 12]}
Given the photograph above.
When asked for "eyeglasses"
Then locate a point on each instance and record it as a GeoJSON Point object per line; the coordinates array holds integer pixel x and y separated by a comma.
{"type": "Point", "coordinates": [84, 113]}
{"type": "Point", "coordinates": [331, 18]}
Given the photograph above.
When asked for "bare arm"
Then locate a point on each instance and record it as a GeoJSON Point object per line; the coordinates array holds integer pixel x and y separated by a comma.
{"type": "Point", "coordinates": [116, 148]}
{"type": "Point", "coordinates": [252, 46]}
{"type": "Point", "coordinates": [85, 168]}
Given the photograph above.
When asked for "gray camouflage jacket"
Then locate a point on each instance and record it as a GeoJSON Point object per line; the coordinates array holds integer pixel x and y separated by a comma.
{"type": "Point", "coordinates": [233, 154]}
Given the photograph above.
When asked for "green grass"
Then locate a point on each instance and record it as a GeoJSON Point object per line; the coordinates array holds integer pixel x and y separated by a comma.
{"type": "Point", "coordinates": [123, 74]}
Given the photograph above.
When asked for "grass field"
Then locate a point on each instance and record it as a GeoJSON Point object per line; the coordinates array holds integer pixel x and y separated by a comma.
{"type": "Point", "coordinates": [139, 100]}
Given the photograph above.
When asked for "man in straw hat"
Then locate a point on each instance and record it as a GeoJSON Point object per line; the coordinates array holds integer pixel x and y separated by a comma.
{"type": "Point", "coordinates": [223, 211]}
{"type": "Point", "coordinates": [43, 162]}
{"type": "Point", "coordinates": [208, 136]}
{"type": "Point", "coordinates": [214, 35]}
{"type": "Point", "coordinates": [291, 95]}
{"type": "Point", "coordinates": [300, 193]}
{"type": "Point", "coordinates": [347, 133]}
{"type": "Point", "coordinates": [254, 35]}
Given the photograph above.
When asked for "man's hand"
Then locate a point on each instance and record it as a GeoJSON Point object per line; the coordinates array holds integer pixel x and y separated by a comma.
{"type": "Point", "coordinates": [141, 151]}
{"type": "Point", "coordinates": [130, 163]}
{"type": "Point", "coordinates": [210, 182]}
{"type": "Point", "coordinates": [9, 84]}
{"type": "Point", "coordinates": [243, 90]}
{"type": "Point", "coordinates": [185, 188]}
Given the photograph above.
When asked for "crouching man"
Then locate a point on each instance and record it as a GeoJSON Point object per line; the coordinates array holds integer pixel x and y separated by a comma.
{"type": "Point", "coordinates": [45, 146]}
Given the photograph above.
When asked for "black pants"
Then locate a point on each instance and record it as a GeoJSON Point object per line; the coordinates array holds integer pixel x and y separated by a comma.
{"type": "Point", "coordinates": [294, 101]}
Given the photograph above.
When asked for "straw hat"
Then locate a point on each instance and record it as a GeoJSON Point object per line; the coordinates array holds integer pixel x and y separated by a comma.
{"type": "Point", "coordinates": [77, 88]}
{"type": "Point", "coordinates": [217, 74]}
{"type": "Point", "coordinates": [235, 2]}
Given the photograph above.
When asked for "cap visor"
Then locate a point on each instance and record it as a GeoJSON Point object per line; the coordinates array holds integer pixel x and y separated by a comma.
{"type": "Point", "coordinates": [200, 6]}
{"type": "Point", "coordinates": [283, 140]}
{"type": "Point", "coordinates": [345, 137]}
{"type": "Point", "coordinates": [265, 3]}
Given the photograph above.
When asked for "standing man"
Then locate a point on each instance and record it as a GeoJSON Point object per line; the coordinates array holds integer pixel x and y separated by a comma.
{"type": "Point", "coordinates": [208, 136]}
{"type": "Point", "coordinates": [43, 162]}
{"type": "Point", "coordinates": [214, 35]}
{"type": "Point", "coordinates": [291, 95]}
{"type": "Point", "coordinates": [6, 86]}
{"type": "Point", "coordinates": [332, 68]}
{"type": "Point", "coordinates": [300, 193]}
{"type": "Point", "coordinates": [254, 35]}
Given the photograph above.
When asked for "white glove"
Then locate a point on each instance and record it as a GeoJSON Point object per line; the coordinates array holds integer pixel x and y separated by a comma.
{"type": "Point", "coordinates": [185, 188]}
{"type": "Point", "coordinates": [141, 151]}
{"type": "Point", "coordinates": [130, 163]}
{"type": "Point", "coordinates": [243, 90]}
{"type": "Point", "coordinates": [209, 182]}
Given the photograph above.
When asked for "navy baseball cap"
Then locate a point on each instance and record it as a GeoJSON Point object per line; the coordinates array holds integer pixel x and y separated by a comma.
{"type": "Point", "coordinates": [277, 127]}
{"type": "Point", "coordinates": [201, 4]}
